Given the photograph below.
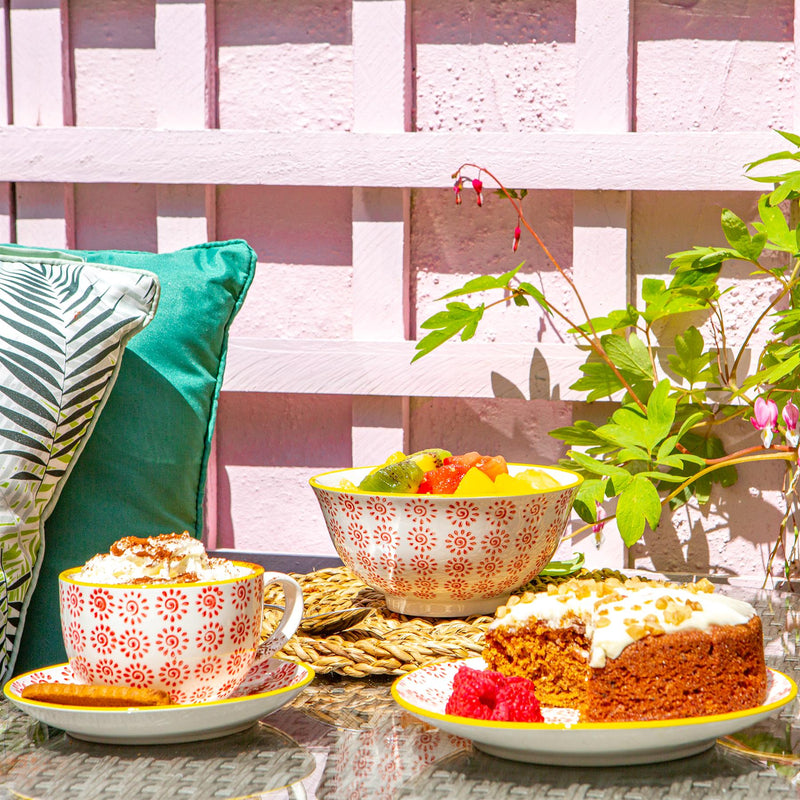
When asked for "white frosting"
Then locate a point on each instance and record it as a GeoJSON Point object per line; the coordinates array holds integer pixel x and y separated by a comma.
{"type": "Point", "coordinates": [630, 605]}
{"type": "Point", "coordinates": [158, 558]}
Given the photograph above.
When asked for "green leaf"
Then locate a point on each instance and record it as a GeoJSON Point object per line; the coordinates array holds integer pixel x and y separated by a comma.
{"type": "Point", "coordinates": [691, 361]}
{"type": "Point", "coordinates": [591, 492]}
{"type": "Point", "coordinates": [558, 568]}
{"type": "Point", "coordinates": [599, 381]}
{"type": "Point", "coordinates": [629, 355]}
{"type": "Point", "coordinates": [774, 373]}
{"type": "Point", "coordinates": [632, 453]}
{"type": "Point", "coordinates": [615, 320]}
{"type": "Point", "coordinates": [702, 449]}
{"type": "Point", "coordinates": [775, 226]}
{"type": "Point", "coordinates": [790, 137]}
{"type": "Point", "coordinates": [484, 283]}
{"type": "Point", "coordinates": [535, 293]}
{"type": "Point", "coordinates": [735, 230]}
{"type": "Point", "coordinates": [459, 318]}
{"type": "Point", "coordinates": [790, 186]}
{"type": "Point", "coordinates": [661, 476]}
{"type": "Point", "coordinates": [581, 433]}
{"type": "Point", "coordinates": [596, 467]}
{"type": "Point", "coordinates": [660, 411]}
{"type": "Point", "coordinates": [638, 504]}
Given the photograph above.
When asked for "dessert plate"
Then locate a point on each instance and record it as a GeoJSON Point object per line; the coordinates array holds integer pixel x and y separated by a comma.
{"type": "Point", "coordinates": [562, 740]}
{"type": "Point", "coordinates": [265, 689]}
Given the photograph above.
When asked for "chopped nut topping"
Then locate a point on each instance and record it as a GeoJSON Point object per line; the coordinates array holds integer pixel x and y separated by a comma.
{"type": "Point", "coordinates": [675, 613]}
{"type": "Point", "coordinates": [602, 622]}
{"type": "Point", "coordinates": [636, 632]}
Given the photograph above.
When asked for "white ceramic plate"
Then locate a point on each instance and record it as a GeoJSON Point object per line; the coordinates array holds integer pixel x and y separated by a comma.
{"type": "Point", "coordinates": [561, 740]}
{"type": "Point", "coordinates": [264, 690]}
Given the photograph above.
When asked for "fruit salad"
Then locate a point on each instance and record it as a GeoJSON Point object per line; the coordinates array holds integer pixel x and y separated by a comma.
{"type": "Point", "coordinates": [438, 471]}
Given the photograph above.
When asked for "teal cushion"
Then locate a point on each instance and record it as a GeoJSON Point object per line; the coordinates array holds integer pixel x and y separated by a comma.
{"type": "Point", "coordinates": [64, 325]}
{"type": "Point", "coordinates": [143, 471]}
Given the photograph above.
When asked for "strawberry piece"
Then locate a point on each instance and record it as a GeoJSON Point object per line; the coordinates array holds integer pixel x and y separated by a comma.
{"type": "Point", "coordinates": [444, 479]}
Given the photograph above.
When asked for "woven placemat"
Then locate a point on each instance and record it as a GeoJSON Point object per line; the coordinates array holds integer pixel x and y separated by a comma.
{"type": "Point", "coordinates": [385, 643]}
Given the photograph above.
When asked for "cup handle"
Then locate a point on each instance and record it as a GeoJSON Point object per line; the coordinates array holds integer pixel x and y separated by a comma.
{"type": "Point", "coordinates": [290, 621]}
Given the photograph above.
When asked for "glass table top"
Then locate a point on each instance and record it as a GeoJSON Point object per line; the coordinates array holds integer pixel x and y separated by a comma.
{"type": "Point", "coordinates": [344, 738]}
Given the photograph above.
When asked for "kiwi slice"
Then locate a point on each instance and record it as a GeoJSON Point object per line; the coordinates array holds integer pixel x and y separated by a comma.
{"type": "Point", "coordinates": [402, 476]}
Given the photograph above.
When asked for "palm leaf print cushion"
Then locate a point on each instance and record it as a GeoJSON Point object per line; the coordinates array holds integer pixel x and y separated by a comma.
{"type": "Point", "coordinates": [63, 327]}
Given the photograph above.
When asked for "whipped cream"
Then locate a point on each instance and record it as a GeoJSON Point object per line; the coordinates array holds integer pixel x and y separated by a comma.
{"type": "Point", "coordinates": [157, 559]}
{"type": "Point", "coordinates": [615, 619]}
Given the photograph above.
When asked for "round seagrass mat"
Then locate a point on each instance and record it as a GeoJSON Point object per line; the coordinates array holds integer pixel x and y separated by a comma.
{"type": "Point", "coordinates": [385, 643]}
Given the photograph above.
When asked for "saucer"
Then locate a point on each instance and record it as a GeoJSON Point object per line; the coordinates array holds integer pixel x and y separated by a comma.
{"type": "Point", "coordinates": [265, 689]}
{"type": "Point", "coordinates": [564, 741]}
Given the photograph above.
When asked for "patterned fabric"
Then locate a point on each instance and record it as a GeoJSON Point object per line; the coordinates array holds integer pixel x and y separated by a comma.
{"type": "Point", "coordinates": [63, 327]}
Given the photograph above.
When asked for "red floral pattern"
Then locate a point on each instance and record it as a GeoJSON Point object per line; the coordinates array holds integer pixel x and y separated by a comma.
{"type": "Point", "coordinates": [106, 670]}
{"type": "Point", "coordinates": [242, 595]}
{"type": "Point", "coordinates": [209, 602]}
{"type": "Point", "coordinates": [462, 513]}
{"type": "Point", "coordinates": [174, 673]}
{"type": "Point", "coordinates": [133, 609]}
{"type": "Point", "coordinates": [194, 640]}
{"type": "Point", "coordinates": [172, 604]}
{"type": "Point", "coordinates": [240, 629]}
{"type": "Point", "coordinates": [76, 637]}
{"type": "Point", "coordinates": [380, 510]}
{"type": "Point", "coordinates": [72, 597]}
{"type": "Point", "coordinates": [172, 640]}
{"type": "Point", "coordinates": [133, 643]}
{"type": "Point", "coordinates": [101, 603]}
{"type": "Point", "coordinates": [208, 668]}
{"type": "Point", "coordinates": [102, 638]}
{"type": "Point", "coordinates": [422, 538]}
{"type": "Point", "coordinates": [460, 542]}
{"type": "Point", "coordinates": [210, 637]}
{"type": "Point", "coordinates": [137, 675]}
{"type": "Point", "coordinates": [441, 549]}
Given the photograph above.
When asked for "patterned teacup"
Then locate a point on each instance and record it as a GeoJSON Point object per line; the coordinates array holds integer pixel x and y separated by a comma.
{"type": "Point", "coordinates": [197, 640]}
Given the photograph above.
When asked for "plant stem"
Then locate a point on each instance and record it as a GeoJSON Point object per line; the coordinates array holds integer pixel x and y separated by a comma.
{"type": "Point", "coordinates": [785, 454]}
{"type": "Point", "coordinates": [591, 338]}
{"type": "Point", "coordinates": [786, 290]}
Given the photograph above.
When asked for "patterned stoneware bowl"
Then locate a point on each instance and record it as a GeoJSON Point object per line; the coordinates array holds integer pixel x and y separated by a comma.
{"type": "Point", "coordinates": [445, 556]}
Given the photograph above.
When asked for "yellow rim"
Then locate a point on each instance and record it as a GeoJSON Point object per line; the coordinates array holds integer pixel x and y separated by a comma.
{"type": "Point", "coordinates": [12, 695]}
{"type": "Point", "coordinates": [588, 726]}
{"type": "Point", "coordinates": [255, 570]}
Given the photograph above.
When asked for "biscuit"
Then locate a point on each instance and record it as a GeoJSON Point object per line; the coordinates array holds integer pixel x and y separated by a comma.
{"type": "Point", "coordinates": [73, 694]}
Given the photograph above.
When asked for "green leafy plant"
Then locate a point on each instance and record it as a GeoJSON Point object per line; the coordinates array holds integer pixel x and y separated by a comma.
{"type": "Point", "coordinates": [661, 446]}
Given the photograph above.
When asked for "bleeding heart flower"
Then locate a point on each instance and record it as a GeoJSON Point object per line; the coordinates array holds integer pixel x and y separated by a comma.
{"type": "Point", "coordinates": [517, 234]}
{"type": "Point", "coordinates": [765, 419]}
{"type": "Point", "coordinates": [597, 528]}
{"type": "Point", "coordinates": [790, 415]}
{"type": "Point", "coordinates": [477, 185]}
{"type": "Point", "coordinates": [457, 186]}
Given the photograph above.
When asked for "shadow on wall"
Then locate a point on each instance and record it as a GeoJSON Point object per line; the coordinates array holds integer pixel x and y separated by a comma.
{"type": "Point", "coordinates": [693, 540]}
{"type": "Point", "coordinates": [539, 387]}
{"type": "Point", "coordinates": [501, 23]}
{"type": "Point", "coordinates": [766, 21]}
{"type": "Point", "coordinates": [253, 22]}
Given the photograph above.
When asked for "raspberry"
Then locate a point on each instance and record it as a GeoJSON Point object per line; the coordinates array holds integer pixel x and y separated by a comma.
{"type": "Point", "coordinates": [516, 702]}
{"type": "Point", "coordinates": [474, 694]}
{"type": "Point", "coordinates": [485, 694]}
